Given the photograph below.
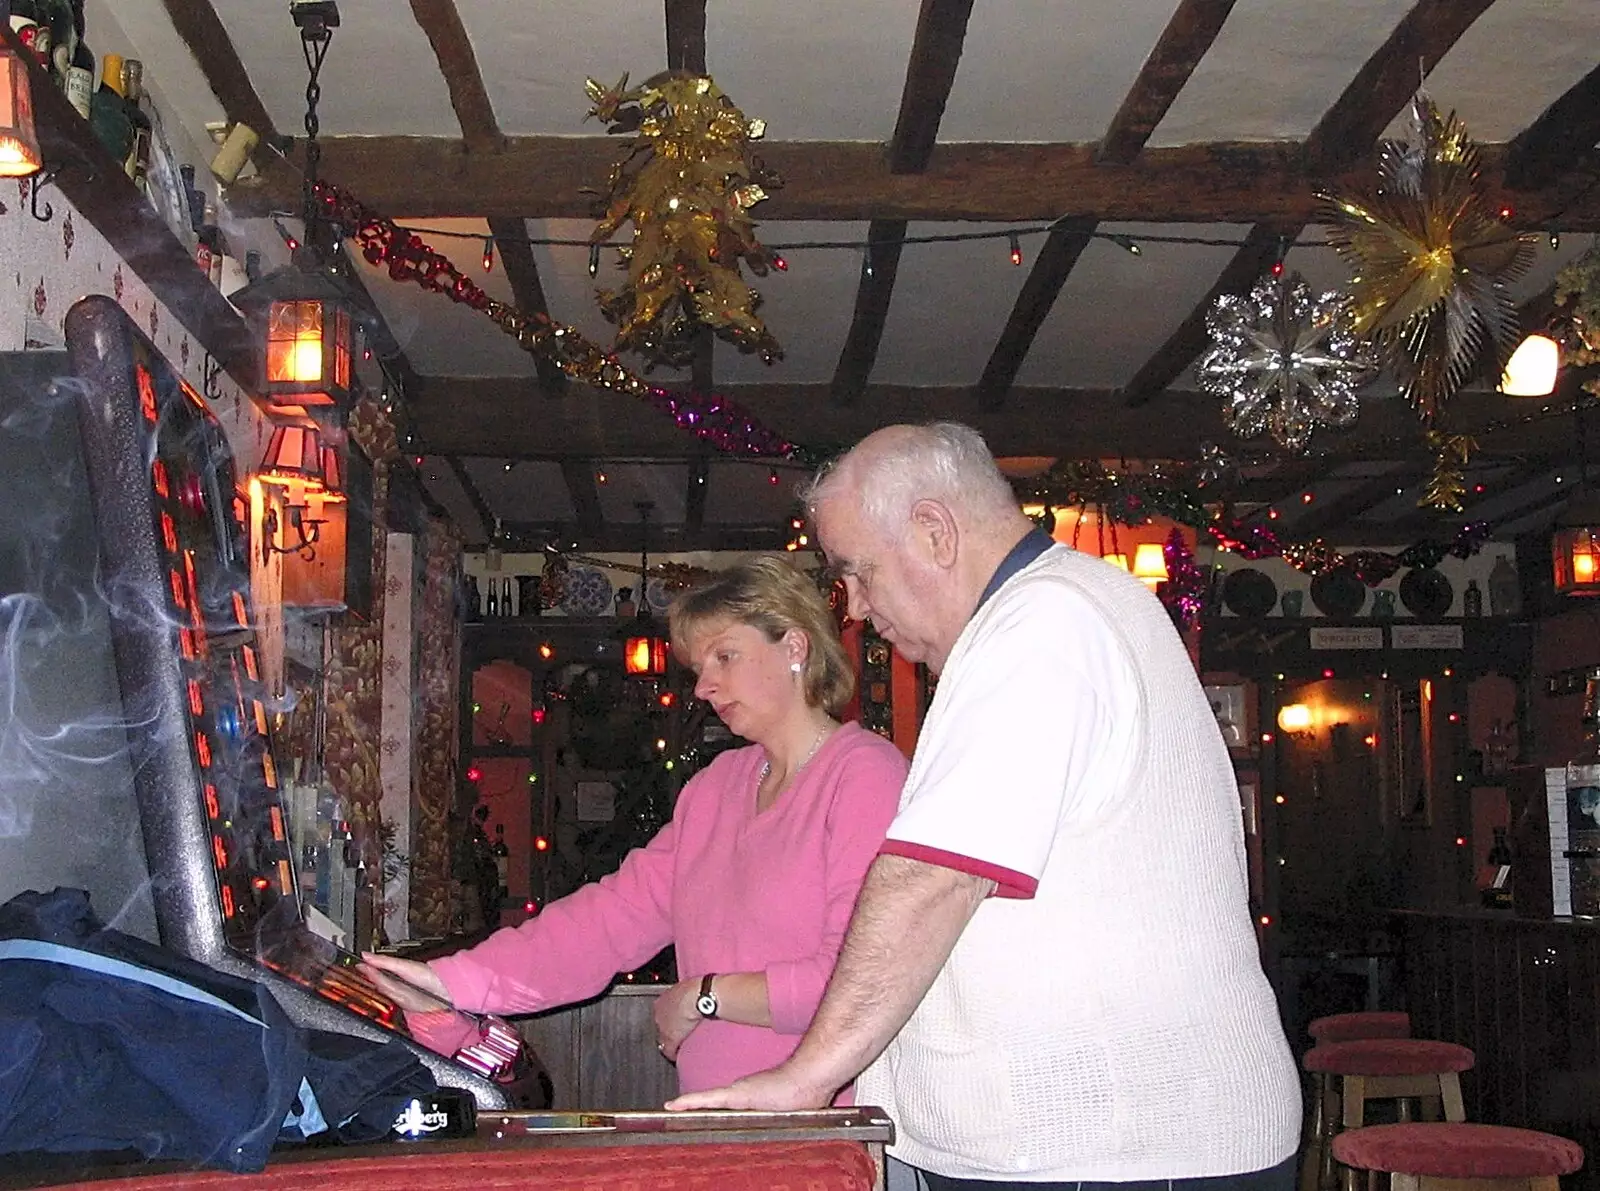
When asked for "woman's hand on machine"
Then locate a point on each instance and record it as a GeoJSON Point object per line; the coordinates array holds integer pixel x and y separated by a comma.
{"type": "Point", "coordinates": [412, 985]}
{"type": "Point", "coordinates": [676, 1016]}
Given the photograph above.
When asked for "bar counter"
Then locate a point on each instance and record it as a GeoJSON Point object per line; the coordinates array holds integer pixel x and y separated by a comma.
{"type": "Point", "coordinates": [1524, 994]}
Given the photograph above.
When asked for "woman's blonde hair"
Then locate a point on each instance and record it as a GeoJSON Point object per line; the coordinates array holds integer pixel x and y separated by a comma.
{"type": "Point", "coordinates": [769, 593]}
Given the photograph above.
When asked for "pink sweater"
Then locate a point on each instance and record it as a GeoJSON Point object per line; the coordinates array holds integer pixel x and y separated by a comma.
{"type": "Point", "coordinates": [735, 891]}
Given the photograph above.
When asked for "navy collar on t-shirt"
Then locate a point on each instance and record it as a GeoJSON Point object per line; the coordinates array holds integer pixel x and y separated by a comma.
{"type": "Point", "coordinates": [1034, 543]}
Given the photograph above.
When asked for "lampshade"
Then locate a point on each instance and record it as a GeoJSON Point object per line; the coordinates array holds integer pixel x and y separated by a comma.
{"type": "Point", "coordinates": [1575, 546]}
{"type": "Point", "coordinates": [19, 145]}
{"type": "Point", "coordinates": [1150, 563]}
{"type": "Point", "coordinates": [294, 453]}
{"type": "Point", "coordinates": [1531, 370]}
{"type": "Point", "coordinates": [332, 473]}
{"type": "Point", "coordinates": [645, 656]}
{"type": "Point", "coordinates": [1116, 560]}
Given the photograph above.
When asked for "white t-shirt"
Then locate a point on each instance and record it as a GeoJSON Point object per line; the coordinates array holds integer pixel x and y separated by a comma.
{"type": "Point", "coordinates": [1106, 1017]}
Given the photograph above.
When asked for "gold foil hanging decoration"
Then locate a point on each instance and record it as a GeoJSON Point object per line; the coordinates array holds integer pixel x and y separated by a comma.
{"type": "Point", "coordinates": [1447, 486]}
{"type": "Point", "coordinates": [1431, 260]}
{"type": "Point", "coordinates": [687, 187]}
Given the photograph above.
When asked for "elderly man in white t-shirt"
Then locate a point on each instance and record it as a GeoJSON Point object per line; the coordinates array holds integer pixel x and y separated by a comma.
{"type": "Point", "coordinates": [1051, 975]}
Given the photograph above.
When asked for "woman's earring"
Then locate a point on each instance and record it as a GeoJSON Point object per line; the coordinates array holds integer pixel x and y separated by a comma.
{"type": "Point", "coordinates": [794, 667]}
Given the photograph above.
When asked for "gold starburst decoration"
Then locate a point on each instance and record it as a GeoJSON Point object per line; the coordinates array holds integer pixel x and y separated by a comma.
{"type": "Point", "coordinates": [687, 186]}
{"type": "Point", "coordinates": [1432, 260]}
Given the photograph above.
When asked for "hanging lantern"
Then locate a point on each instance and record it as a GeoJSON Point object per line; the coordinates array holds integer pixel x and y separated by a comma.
{"type": "Point", "coordinates": [1531, 370]}
{"type": "Point", "coordinates": [645, 656]}
{"type": "Point", "coordinates": [1575, 546]}
{"type": "Point", "coordinates": [305, 325]}
{"type": "Point", "coordinates": [19, 145]}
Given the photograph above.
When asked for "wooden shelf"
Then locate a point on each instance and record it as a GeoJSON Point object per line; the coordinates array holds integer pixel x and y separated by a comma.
{"type": "Point", "coordinates": [103, 194]}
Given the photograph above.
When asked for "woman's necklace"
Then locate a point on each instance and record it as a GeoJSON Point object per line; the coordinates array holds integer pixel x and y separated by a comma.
{"type": "Point", "coordinates": [766, 766]}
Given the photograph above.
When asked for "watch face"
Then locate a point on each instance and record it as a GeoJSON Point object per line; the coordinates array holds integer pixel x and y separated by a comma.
{"type": "Point", "coordinates": [707, 1006]}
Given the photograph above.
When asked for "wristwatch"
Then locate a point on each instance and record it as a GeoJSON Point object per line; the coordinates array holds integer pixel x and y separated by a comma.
{"type": "Point", "coordinates": [706, 1003]}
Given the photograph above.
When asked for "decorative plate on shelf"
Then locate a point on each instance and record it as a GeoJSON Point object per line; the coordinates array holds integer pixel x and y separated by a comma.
{"type": "Point", "coordinates": [1426, 592]}
{"type": "Point", "coordinates": [1338, 593]}
{"type": "Point", "coordinates": [1249, 592]}
{"type": "Point", "coordinates": [656, 596]}
{"type": "Point", "coordinates": [588, 592]}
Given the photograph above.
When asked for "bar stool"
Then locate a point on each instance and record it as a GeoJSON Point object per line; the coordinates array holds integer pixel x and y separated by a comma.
{"type": "Point", "coordinates": [1456, 1157]}
{"type": "Point", "coordinates": [1324, 1099]}
{"type": "Point", "coordinates": [1386, 1069]}
{"type": "Point", "coordinates": [1350, 1027]}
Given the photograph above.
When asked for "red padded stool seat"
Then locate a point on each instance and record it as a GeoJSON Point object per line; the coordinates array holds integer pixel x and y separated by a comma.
{"type": "Point", "coordinates": [1452, 1151]}
{"type": "Point", "coordinates": [1399, 1069]}
{"type": "Point", "coordinates": [1346, 1027]}
{"type": "Point", "coordinates": [1389, 1056]}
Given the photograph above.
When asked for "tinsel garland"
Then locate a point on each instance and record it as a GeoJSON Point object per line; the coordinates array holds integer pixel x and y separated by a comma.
{"type": "Point", "coordinates": [1132, 499]}
{"type": "Point", "coordinates": [713, 419]}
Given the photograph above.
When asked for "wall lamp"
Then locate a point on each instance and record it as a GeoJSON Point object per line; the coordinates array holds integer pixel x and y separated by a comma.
{"type": "Point", "coordinates": [1295, 719]}
{"type": "Point", "coordinates": [307, 530]}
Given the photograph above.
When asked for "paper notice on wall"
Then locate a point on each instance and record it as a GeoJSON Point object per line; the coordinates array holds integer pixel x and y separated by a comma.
{"type": "Point", "coordinates": [596, 802]}
{"type": "Point", "coordinates": [1555, 793]}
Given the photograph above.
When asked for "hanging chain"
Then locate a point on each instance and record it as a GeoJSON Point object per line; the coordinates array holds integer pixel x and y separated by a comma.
{"type": "Point", "coordinates": [315, 37]}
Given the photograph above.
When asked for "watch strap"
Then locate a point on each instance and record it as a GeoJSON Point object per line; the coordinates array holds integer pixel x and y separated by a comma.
{"type": "Point", "coordinates": [706, 1003]}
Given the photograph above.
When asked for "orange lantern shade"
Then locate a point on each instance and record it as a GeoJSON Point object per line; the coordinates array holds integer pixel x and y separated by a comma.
{"type": "Point", "coordinates": [645, 656]}
{"type": "Point", "coordinates": [1575, 548]}
{"type": "Point", "coordinates": [294, 452]}
{"type": "Point", "coordinates": [305, 323]}
{"type": "Point", "coordinates": [19, 144]}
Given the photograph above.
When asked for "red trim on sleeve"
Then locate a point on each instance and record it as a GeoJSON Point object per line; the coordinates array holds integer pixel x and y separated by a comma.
{"type": "Point", "coordinates": [1008, 882]}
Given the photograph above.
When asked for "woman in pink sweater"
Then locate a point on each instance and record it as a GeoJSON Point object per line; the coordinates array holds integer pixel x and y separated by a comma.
{"type": "Point", "coordinates": [754, 878]}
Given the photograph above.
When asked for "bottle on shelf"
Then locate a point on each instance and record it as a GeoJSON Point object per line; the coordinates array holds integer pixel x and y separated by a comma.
{"type": "Point", "coordinates": [30, 30]}
{"type": "Point", "coordinates": [108, 113]}
{"type": "Point", "coordinates": [138, 159]}
{"type": "Point", "coordinates": [1472, 599]}
{"type": "Point", "coordinates": [506, 606]}
{"type": "Point", "coordinates": [63, 36]}
{"type": "Point", "coordinates": [1505, 593]}
{"type": "Point", "coordinates": [492, 608]}
{"type": "Point", "coordinates": [80, 73]}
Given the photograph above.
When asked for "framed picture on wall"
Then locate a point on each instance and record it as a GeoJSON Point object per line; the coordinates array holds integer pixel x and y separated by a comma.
{"type": "Point", "coordinates": [1228, 705]}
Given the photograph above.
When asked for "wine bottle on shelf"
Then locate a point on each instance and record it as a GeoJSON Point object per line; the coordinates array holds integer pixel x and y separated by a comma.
{"type": "Point", "coordinates": [138, 158]}
{"type": "Point", "coordinates": [108, 114]}
{"type": "Point", "coordinates": [506, 606]}
{"type": "Point", "coordinates": [80, 77]}
{"type": "Point", "coordinates": [63, 37]}
{"type": "Point", "coordinates": [1472, 599]}
{"type": "Point", "coordinates": [492, 609]}
{"type": "Point", "coordinates": [30, 30]}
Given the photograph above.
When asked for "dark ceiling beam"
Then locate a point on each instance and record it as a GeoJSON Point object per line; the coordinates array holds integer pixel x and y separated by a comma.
{"type": "Point", "coordinates": [1324, 516]}
{"type": "Point", "coordinates": [490, 416]}
{"type": "Point", "coordinates": [694, 500]}
{"type": "Point", "coordinates": [1189, 33]}
{"type": "Point", "coordinates": [1190, 30]}
{"type": "Point", "coordinates": [549, 177]}
{"type": "Point", "coordinates": [1387, 81]}
{"type": "Point", "coordinates": [585, 494]}
{"type": "Point", "coordinates": [458, 63]}
{"type": "Point", "coordinates": [1559, 140]}
{"type": "Point", "coordinates": [930, 73]}
{"type": "Point", "coordinates": [197, 23]}
{"type": "Point", "coordinates": [686, 35]}
{"type": "Point", "coordinates": [1057, 256]}
{"type": "Point", "coordinates": [1261, 247]}
{"type": "Point", "coordinates": [522, 274]}
{"type": "Point", "coordinates": [474, 496]}
{"type": "Point", "coordinates": [879, 264]}
{"type": "Point", "coordinates": [629, 538]}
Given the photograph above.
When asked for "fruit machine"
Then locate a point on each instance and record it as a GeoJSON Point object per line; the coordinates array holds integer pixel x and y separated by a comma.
{"type": "Point", "coordinates": [170, 520]}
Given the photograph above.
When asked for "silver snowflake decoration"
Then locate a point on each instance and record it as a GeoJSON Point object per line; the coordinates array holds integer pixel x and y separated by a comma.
{"type": "Point", "coordinates": [1284, 361]}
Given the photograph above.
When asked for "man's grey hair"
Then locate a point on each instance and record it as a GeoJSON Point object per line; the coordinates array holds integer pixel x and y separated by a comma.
{"type": "Point", "coordinates": [943, 461]}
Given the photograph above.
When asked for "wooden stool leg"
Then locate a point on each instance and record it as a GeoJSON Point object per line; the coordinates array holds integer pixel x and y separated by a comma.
{"type": "Point", "coordinates": [1450, 1093]}
{"type": "Point", "coordinates": [1316, 1141]}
